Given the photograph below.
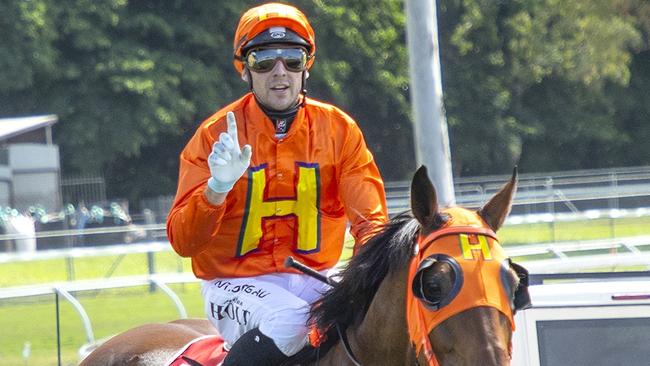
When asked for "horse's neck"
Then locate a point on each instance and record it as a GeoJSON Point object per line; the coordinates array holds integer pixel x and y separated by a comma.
{"type": "Point", "coordinates": [382, 338]}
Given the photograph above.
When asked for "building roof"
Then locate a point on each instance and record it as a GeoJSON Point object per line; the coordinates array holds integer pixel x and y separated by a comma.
{"type": "Point", "coordinates": [10, 127]}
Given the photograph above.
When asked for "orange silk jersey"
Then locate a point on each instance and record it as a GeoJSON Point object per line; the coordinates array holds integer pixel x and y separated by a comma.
{"type": "Point", "coordinates": [296, 197]}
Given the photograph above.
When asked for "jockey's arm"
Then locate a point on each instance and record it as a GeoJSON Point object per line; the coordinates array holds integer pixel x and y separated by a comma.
{"type": "Point", "coordinates": [362, 190]}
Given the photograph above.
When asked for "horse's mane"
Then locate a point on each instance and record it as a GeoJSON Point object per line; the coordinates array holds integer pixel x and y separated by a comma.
{"type": "Point", "coordinates": [347, 303]}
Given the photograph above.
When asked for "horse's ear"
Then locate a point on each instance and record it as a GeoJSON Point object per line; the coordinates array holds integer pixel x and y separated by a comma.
{"type": "Point", "coordinates": [424, 202]}
{"type": "Point", "coordinates": [494, 212]}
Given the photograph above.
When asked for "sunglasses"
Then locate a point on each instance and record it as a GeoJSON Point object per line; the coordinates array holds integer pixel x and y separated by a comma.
{"type": "Point", "coordinates": [263, 60]}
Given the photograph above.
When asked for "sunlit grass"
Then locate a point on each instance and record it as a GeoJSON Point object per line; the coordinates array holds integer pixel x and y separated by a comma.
{"type": "Point", "coordinates": [57, 270]}
{"type": "Point", "coordinates": [574, 230]}
{"type": "Point", "coordinates": [110, 312]}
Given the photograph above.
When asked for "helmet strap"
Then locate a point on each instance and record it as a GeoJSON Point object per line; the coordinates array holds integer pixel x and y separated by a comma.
{"type": "Point", "coordinates": [303, 87]}
{"type": "Point", "coordinates": [250, 79]}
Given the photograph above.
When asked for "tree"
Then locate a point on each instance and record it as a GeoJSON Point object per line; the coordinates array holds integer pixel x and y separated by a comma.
{"type": "Point", "coordinates": [547, 84]}
{"type": "Point", "coordinates": [122, 76]}
{"type": "Point", "coordinates": [27, 53]}
{"type": "Point", "coordinates": [362, 67]}
{"type": "Point", "coordinates": [130, 81]}
{"type": "Point", "coordinates": [504, 64]}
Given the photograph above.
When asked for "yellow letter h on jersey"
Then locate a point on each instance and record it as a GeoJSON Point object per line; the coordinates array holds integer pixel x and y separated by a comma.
{"type": "Point", "coordinates": [305, 206]}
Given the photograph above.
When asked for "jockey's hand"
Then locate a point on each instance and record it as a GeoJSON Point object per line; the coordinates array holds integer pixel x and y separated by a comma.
{"type": "Point", "coordinates": [227, 161]}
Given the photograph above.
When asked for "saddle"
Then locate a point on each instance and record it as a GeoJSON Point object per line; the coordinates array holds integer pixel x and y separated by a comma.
{"type": "Point", "coordinates": [209, 350]}
{"type": "Point", "coordinates": [202, 351]}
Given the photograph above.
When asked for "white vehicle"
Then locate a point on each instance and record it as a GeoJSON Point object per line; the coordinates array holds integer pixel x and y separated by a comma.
{"type": "Point", "coordinates": [601, 321]}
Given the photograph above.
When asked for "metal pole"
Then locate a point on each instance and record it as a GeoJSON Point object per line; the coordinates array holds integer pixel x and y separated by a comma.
{"type": "Point", "coordinates": [80, 310]}
{"type": "Point", "coordinates": [172, 295]}
{"type": "Point", "coordinates": [430, 125]}
{"type": "Point", "coordinates": [58, 330]}
{"type": "Point", "coordinates": [152, 269]}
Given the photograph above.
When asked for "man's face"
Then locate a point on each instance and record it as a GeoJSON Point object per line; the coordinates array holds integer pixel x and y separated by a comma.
{"type": "Point", "coordinates": [277, 89]}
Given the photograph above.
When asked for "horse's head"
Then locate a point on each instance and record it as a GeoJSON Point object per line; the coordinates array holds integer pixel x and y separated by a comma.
{"type": "Point", "coordinates": [463, 290]}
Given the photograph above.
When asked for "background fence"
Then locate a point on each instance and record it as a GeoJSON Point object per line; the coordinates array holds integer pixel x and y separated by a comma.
{"type": "Point", "coordinates": [581, 221]}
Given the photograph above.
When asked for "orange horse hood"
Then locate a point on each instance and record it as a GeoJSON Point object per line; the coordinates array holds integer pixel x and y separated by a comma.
{"type": "Point", "coordinates": [480, 266]}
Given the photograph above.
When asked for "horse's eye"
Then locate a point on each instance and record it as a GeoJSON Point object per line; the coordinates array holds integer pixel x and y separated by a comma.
{"type": "Point", "coordinates": [427, 287]}
{"type": "Point", "coordinates": [437, 281]}
{"type": "Point", "coordinates": [432, 291]}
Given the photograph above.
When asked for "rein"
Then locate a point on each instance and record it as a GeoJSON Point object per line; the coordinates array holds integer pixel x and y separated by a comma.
{"type": "Point", "coordinates": [290, 262]}
{"type": "Point", "coordinates": [346, 346]}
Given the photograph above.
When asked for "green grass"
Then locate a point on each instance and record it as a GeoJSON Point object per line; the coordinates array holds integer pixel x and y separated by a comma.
{"type": "Point", "coordinates": [574, 230]}
{"type": "Point", "coordinates": [55, 270]}
{"type": "Point", "coordinates": [112, 311]}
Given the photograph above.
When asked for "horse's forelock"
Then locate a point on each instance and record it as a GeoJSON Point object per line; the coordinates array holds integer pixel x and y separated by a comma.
{"type": "Point", "coordinates": [405, 235]}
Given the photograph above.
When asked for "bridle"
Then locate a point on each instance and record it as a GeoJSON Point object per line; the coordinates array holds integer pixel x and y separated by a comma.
{"type": "Point", "coordinates": [422, 248]}
{"type": "Point", "coordinates": [417, 315]}
{"type": "Point", "coordinates": [453, 247]}
{"type": "Point", "coordinates": [346, 346]}
{"type": "Point", "coordinates": [290, 262]}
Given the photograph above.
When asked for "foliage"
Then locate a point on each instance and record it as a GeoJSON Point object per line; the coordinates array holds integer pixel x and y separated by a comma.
{"type": "Point", "coordinates": [362, 66]}
{"type": "Point", "coordinates": [547, 84]}
{"type": "Point", "coordinates": [128, 76]}
{"type": "Point", "coordinates": [530, 76]}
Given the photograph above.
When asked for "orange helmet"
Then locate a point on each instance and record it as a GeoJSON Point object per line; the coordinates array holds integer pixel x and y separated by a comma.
{"type": "Point", "coordinates": [261, 18]}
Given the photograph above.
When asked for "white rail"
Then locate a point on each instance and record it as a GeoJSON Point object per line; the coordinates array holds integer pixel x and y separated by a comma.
{"type": "Point", "coordinates": [95, 284]}
{"type": "Point", "coordinates": [560, 249]}
{"type": "Point", "coordinates": [567, 256]}
{"type": "Point", "coordinates": [578, 255]}
{"type": "Point", "coordinates": [589, 262]}
{"type": "Point", "coordinates": [65, 289]}
{"type": "Point", "coordinates": [150, 247]}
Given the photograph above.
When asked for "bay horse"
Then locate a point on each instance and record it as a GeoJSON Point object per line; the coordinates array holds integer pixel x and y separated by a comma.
{"type": "Point", "coordinates": [384, 307]}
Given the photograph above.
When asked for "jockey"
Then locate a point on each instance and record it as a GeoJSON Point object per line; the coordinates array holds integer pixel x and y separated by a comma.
{"type": "Point", "coordinates": [273, 174]}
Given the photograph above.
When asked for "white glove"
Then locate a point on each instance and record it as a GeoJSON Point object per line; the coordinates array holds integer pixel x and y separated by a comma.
{"type": "Point", "coordinates": [226, 161]}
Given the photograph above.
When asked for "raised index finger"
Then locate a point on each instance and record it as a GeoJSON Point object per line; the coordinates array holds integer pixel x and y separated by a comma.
{"type": "Point", "coordinates": [232, 128]}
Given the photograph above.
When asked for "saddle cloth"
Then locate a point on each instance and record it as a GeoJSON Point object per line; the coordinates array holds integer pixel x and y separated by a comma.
{"type": "Point", "coordinates": [202, 351]}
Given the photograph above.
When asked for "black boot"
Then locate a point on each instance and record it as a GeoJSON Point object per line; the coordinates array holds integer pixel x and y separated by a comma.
{"type": "Point", "coordinates": [254, 349]}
